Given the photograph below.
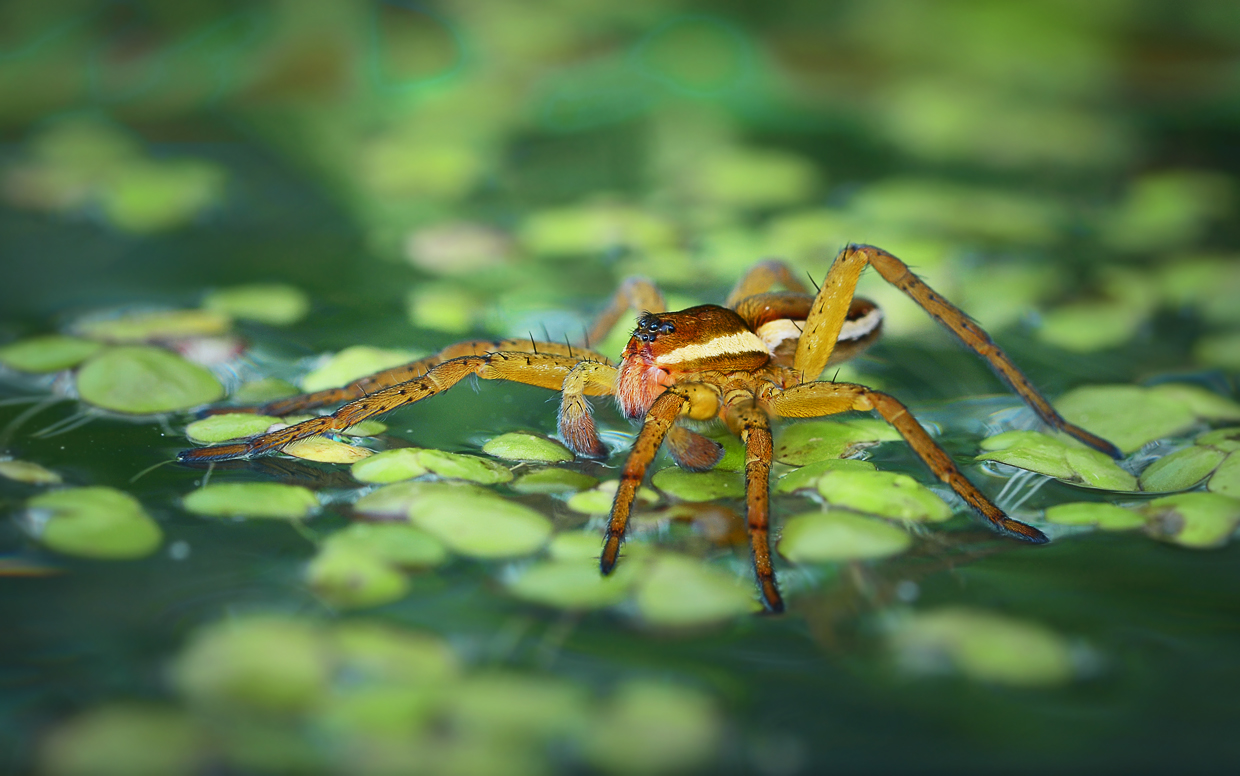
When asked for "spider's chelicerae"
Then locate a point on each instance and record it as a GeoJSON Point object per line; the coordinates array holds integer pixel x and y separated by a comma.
{"type": "Point", "coordinates": [756, 358]}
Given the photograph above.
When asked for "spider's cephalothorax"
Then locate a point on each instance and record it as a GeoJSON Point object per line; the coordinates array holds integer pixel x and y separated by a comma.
{"type": "Point", "coordinates": [757, 358]}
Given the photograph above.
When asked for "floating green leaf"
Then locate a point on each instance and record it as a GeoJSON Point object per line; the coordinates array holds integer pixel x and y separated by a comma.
{"type": "Point", "coordinates": [678, 591]}
{"type": "Point", "coordinates": [1182, 469]}
{"type": "Point", "coordinates": [806, 477]}
{"type": "Point", "coordinates": [982, 646]}
{"type": "Point", "coordinates": [1226, 479]}
{"type": "Point", "coordinates": [30, 473]}
{"type": "Point", "coordinates": [1226, 439]}
{"type": "Point", "coordinates": [838, 536]}
{"type": "Point", "coordinates": [1131, 416]}
{"type": "Point", "coordinates": [1108, 517]}
{"type": "Point", "coordinates": [1203, 403]}
{"type": "Point", "coordinates": [124, 740]}
{"type": "Point", "coordinates": [264, 390]}
{"type": "Point", "coordinates": [523, 446]}
{"type": "Point", "coordinates": [367, 428]}
{"type": "Point", "coordinates": [155, 326]}
{"type": "Point", "coordinates": [1086, 327]}
{"type": "Point", "coordinates": [325, 450]}
{"type": "Point", "coordinates": [481, 525]}
{"type": "Point", "coordinates": [394, 500]}
{"type": "Point", "coordinates": [504, 704]}
{"type": "Point", "coordinates": [553, 480]}
{"type": "Point", "coordinates": [231, 425]}
{"type": "Point", "coordinates": [1067, 461]}
{"type": "Point", "coordinates": [1219, 350]}
{"type": "Point", "coordinates": [252, 499]}
{"type": "Point", "coordinates": [351, 364]}
{"type": "Point", "coordinates": [886, 494]}
{"type": "Point", "coordinates": [574, 584]}
{"type": "Point", "coordinates": [272, 664]}
{"type": "Point", "coordinates": [699, 486]}
{"type": "Point", "coordinates": [399, 544]}
{"type": "Point", "coordinates": [389, 466]}
{"type": "Point", "coordinates": [96, 522]}
{"type": "Point", "coordinates": [755, 178]}
{"type": "Point", "coordinates": [371, 652]}
{"type": "Point", "coordinates": [48, 353]}
{"type": "Point", "coordinates": [588, 229]}
{"type": "Point", "coordinates": [1196, 520]}
{"type": "Point", "coordinates": [598, 501]}
{"type": "Point", "coordinates": [273, 303]}
{"type": "Point", "coordinates": [350, 578]}
{"type": "Point", "coordinates": [680, 730]}
{"type": "Point", "coordinates": [580, 545]}
{"type": "Point", "coordinates": [145, 196]}
{"type": "Point", "coordinates": [818, 440]}
{"type": "Point", "coordinates": [142, 380]}
{"type": "Point", "coordinates": [458, 466]}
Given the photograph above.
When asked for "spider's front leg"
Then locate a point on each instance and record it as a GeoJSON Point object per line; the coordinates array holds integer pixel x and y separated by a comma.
{"type": "Point", "coordinates": [697, 401]}
{"type": "Point", "coordinates": [831, 305]}
{"type": "Point", "coordinates": [817, 399]}
{"type": "Point", "coordinates": [545, 370]}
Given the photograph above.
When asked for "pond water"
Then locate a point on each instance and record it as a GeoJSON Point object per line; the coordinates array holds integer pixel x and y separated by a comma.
{"type": "Point", "coordinates": [391, 637]}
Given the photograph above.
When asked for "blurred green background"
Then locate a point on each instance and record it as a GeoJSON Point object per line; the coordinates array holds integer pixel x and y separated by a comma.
{"type": "Point", "coordinates": [411, 174]}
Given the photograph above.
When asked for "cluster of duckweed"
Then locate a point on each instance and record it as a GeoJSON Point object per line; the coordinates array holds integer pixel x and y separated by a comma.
{"type": "Point", "coordinates": [277, 694]}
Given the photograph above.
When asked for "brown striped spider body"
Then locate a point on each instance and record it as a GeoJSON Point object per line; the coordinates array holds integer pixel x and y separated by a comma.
{"type": "Point", "coordinates": [755, 359]}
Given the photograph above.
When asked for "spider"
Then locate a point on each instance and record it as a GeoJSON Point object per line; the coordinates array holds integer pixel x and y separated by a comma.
{"type": "Point", "coordinates": [758, 357]}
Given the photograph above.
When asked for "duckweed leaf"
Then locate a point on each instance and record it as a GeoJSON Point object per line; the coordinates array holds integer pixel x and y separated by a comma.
{"type": "Point", "coordinates": [389, 466]}
{"type": "Point", "coordinates": [553, 480]}
{"type": "Point", "coordinates": [1203, 403]}
{"type": "Point", "coordinates": [574, 584]}
{"type": "Point", "coordinates": [95, 522]}
{"type": "Point", "coordinates": [1219, 350]}
{"type": "Point", "coordinates": [394, 500]}
{"type": "Point", "coordinates": [1226, 439]}
{"type": "Point", "coordinates": [27, 472]}
{"type": "Point", "coordinates": [983, 646]}
{"type": "Point", "coordinates": [142, 380]}
{"type": "Point", "coordinates": [806, 477]}
{"type": "Point", "coordinates": [143, 740]}
{"type": "Point", "coordinates": [481, 525]}
{"type": "Point", "coordinates": [678, 591]}
{"type": "Point", "coordinates": [48, 353]}
{"type": "Point", "coordinates": [1067, 461]}
{"type": "Point", "coordinates": [231, 425]}
{"type": "Point", "coordinates": [598, 501]}
{"type": "Point", "coordinates": [1086, 327]}
{"type": "Point", "coordinates": [587, 229]}
{"type": "Point", "coordinates": [887, 494]}
{"type": "Point", "coordinates": [352, 363]}
{"type": "Point", "coordinates": [1182, 469]}
{"type": "Point", "coordinates": [522, 446]}
{"type": "Point", "coordinates": [272, 664]}
{"type": "Point", "coordinates": [803, 443]}
{"type": "Point", "coordinates": [273, 303]}
{"type": "Point", "coordinates": [154, 326]}
{"type": "Point", "coordinates": [1226, 479]}
{"type": "Point", "coordinates": [509, 704]}
{"type": "Point", "coordinates": [399, 544]}
{"type": "Point", "coordinates": [458, 466]}
{"type": "Point", "coordinates": [325, 450]}
{"type": "Point", "coordinates": [837, 536]}
{"type": "Point", "coordinates": [699, 486]}
{"type": "Point", "coordinates": [144, 196]}
{"type": "Point", "coordinates": [252, 499]}
{"type": "Point", "coordinates": [579, 545]}
{"type": "Point", "coordinates": [1197, 520]}
{"type": "Point", "coordinates": [373, 652]}
{"type": "Point", "coordinates": [680, 730]}
{"type": "Point", "coordinates": [264, 390]}
{"type": "Point", "coordinates": [367, 428]}
{"type": "Point", "coordinates": [1108, 517]}
{"type": "Point", "coordinates": [1127, 415]}
{"type": "Point", "coordinates": [349, 578]}
{"type": "Point", "coordinates": [756, 178]}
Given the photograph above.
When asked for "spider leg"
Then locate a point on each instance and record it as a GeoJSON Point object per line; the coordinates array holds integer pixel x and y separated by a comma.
{"type": "Point", "coordinates": [832, 303]}
{"type": "Point", "coordinates": [576, 421]}
{"type": "Point", "coordinates": [816, 399]}
{"type": "Point", "coordinates": [753, 426]}
{"type": "Point", "coordinates": [545, 370]}
{"type": "Point", "coordinates": [764, 276]}
{"type": "Point", "coordinates": [696, 399]}
{"type": "Point", "coordinates": [691, 451]}
{"type": "Point", "coordinates": [633, 294]}
{"type": "Point", "coordinates": [414, 369]}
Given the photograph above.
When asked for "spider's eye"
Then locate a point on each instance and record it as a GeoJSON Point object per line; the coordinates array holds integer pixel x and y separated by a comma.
{"type": "Point", "coordinates": [667, 328]}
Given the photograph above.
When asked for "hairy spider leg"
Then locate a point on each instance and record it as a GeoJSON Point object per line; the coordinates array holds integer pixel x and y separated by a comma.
{"type": "Point", "coordinates": [831, 305]}
{"type": "Point", "coordinates": [764, 276]}
{"type": "Point", "coordinates": [545, 370]}
{"type": "Point", "coordinates": [637, 294]}
{"type": "Point", "coordinates": [414, 369]}
{"type": "Point", "coordinates": [816, 399]}
{"type": "Point", "coordinates": [696, 400]}
{"type": "Point", "coordinates": [751, 424]}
